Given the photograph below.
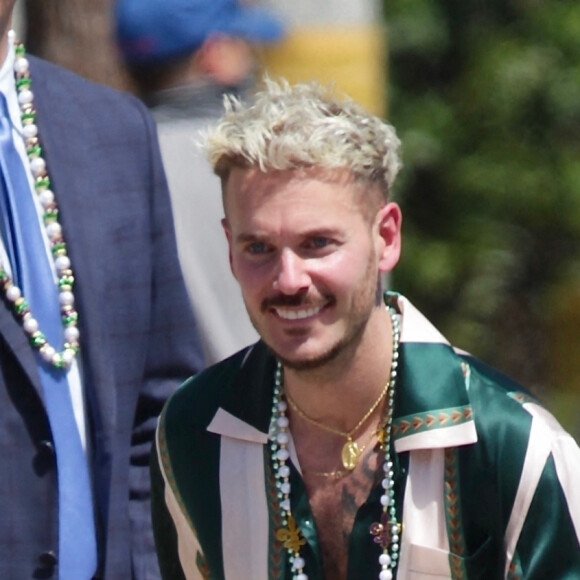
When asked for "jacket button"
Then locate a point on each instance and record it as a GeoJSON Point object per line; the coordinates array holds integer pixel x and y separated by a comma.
{"type": "Point", "coordinates": [47, 559]}
{"type": "Point", "coordinates": [44, 460]}
{"type": "Point", "coordinates": [46, 447]}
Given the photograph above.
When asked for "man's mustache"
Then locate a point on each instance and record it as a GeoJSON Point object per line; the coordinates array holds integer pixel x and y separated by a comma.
{"type": "Point", "coordinates": [282, 300]}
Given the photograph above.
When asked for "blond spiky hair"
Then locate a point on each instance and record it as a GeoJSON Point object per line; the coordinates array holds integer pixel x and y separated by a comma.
{"type": "Point", "coordinates": [301, 126]}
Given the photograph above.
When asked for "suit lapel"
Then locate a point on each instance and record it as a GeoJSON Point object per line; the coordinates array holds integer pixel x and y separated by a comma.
{"type": "Point", "coordinates": [17, 341]}
{"type": "Point", "coordinates": [66, 151]}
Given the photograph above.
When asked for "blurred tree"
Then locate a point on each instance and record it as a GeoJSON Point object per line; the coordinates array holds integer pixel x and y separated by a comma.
{"type": "Point", "coordinates": [76, 34]}
{"type": "Point", "coordinates": [486, 98]}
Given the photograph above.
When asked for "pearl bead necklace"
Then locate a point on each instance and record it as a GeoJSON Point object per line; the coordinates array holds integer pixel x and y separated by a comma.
{"type": "Point", "coordinates": [387, 532]}
{"type": "Point", "coordinates": [64, 357]}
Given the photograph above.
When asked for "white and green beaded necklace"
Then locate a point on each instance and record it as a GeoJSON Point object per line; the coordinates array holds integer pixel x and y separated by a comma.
{"type": "Point", "coordinates": [387, 532]}
{"type": "Point", "coordinates": [42, 186]}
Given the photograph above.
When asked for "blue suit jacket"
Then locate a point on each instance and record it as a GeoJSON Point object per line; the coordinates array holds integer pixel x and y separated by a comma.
{"type": "Point", "coordinates": [139, 340]}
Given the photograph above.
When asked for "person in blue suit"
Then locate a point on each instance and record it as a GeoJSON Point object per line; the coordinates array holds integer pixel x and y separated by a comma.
{"type": "Point", "coordinates": [127, 338]}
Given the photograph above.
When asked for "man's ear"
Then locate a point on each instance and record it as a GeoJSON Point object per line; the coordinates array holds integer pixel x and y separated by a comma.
{"type": "Point", "coordinates": [388, 223]}
{"type": "Point", "coordinates": [228, 232]}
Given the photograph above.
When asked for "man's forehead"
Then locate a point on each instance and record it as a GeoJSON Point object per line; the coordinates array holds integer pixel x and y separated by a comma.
{"type": "Point", "coordinates": [240, 177]}
{"type": "Point", "coordinates": [250, 187]}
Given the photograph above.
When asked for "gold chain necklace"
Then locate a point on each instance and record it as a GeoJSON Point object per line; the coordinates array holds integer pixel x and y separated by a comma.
{"type": "Point", "coordinates": [340, 473]}
{"type": "Point", "coordinates": [350, 450]}
{"type": "Point", "coordinates": [387, 531]}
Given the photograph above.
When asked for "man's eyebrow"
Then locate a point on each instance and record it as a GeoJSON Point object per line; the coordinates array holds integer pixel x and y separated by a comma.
{"type": "Point", "coordinates": [308, 233]}
{"type": "Point", "coordinates": [322, 232]}
{"type": "Point", "coordinates": [243, 238]}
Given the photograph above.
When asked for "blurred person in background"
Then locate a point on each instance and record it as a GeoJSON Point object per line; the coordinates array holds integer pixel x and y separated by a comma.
{"type": "Point", "coordinates": [96, 329]}
{"type": "Point", "coordinates": [183, 56]}
{"type": "Point", "coordinates": [353, 441]}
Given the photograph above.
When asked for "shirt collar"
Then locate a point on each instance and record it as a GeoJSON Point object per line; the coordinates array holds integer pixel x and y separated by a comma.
{"type": "Point", "coordinates": [432, 406]}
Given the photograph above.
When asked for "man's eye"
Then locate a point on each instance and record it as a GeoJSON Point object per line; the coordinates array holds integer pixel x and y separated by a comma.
{"type": "Point", "coordinates": [317, 243]}
{"type": "Point", "coordinates": [256, 248]}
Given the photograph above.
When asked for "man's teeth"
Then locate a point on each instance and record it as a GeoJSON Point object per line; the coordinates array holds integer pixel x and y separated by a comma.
{"type": "Point", "coordinates": [298, 314]}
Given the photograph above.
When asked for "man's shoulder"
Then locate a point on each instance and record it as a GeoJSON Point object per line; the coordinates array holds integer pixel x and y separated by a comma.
{"type": "Point", "coordinates": [56, 84]}
{"type": "Point", "coordinates": [504, 409]}
{"type": "Point", "coordinates": [47, 72]}
{"type": "Point", "coordinates": [198, 399]}
{"type": "Point", "coordinates": [492, 383]}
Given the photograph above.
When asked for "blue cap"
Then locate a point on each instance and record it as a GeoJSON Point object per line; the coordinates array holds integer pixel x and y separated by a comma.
{"type": "Point", "coordinates": [155, 30]}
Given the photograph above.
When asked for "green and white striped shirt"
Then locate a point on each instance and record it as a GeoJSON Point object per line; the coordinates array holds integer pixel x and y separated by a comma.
{"type": "Point", "coordinates": [487, 481]}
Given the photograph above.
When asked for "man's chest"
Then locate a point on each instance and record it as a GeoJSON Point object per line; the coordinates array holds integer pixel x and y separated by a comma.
{"type": "Point", "coordinates": [335, 500]}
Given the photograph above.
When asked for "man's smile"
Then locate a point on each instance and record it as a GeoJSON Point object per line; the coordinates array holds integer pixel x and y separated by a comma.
{"type": "Point", "coordinates": [293, 314]}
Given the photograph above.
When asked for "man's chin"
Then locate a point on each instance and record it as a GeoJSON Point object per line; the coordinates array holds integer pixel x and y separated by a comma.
{"type": "Point", "coordinates": [306, 357]}
{"type": "Point", "coordinates": [308, 362]}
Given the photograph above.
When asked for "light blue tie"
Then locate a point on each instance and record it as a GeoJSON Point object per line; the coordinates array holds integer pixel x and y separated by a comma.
{"type": "Point", "coordinates": [32, 273]}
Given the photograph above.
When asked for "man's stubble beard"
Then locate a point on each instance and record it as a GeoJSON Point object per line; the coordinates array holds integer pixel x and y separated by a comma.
{"type": "Point", "coordinates": [365, 300]}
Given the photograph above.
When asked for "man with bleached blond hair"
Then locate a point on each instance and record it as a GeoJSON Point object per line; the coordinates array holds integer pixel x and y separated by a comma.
{"type": "Point", "coordinates": [352, 442]}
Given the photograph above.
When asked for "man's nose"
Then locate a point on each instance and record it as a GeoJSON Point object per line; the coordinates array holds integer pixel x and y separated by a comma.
{"type": "Point", "coordinates": [292, 276]}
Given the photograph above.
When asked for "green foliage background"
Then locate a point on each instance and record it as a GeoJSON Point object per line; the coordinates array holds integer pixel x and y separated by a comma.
{"type": "Point", "coordinates": [485, 96]}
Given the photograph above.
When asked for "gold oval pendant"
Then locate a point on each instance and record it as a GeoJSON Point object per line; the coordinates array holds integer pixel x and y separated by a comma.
{"type": "Point", "coordinates": [350, 454]}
